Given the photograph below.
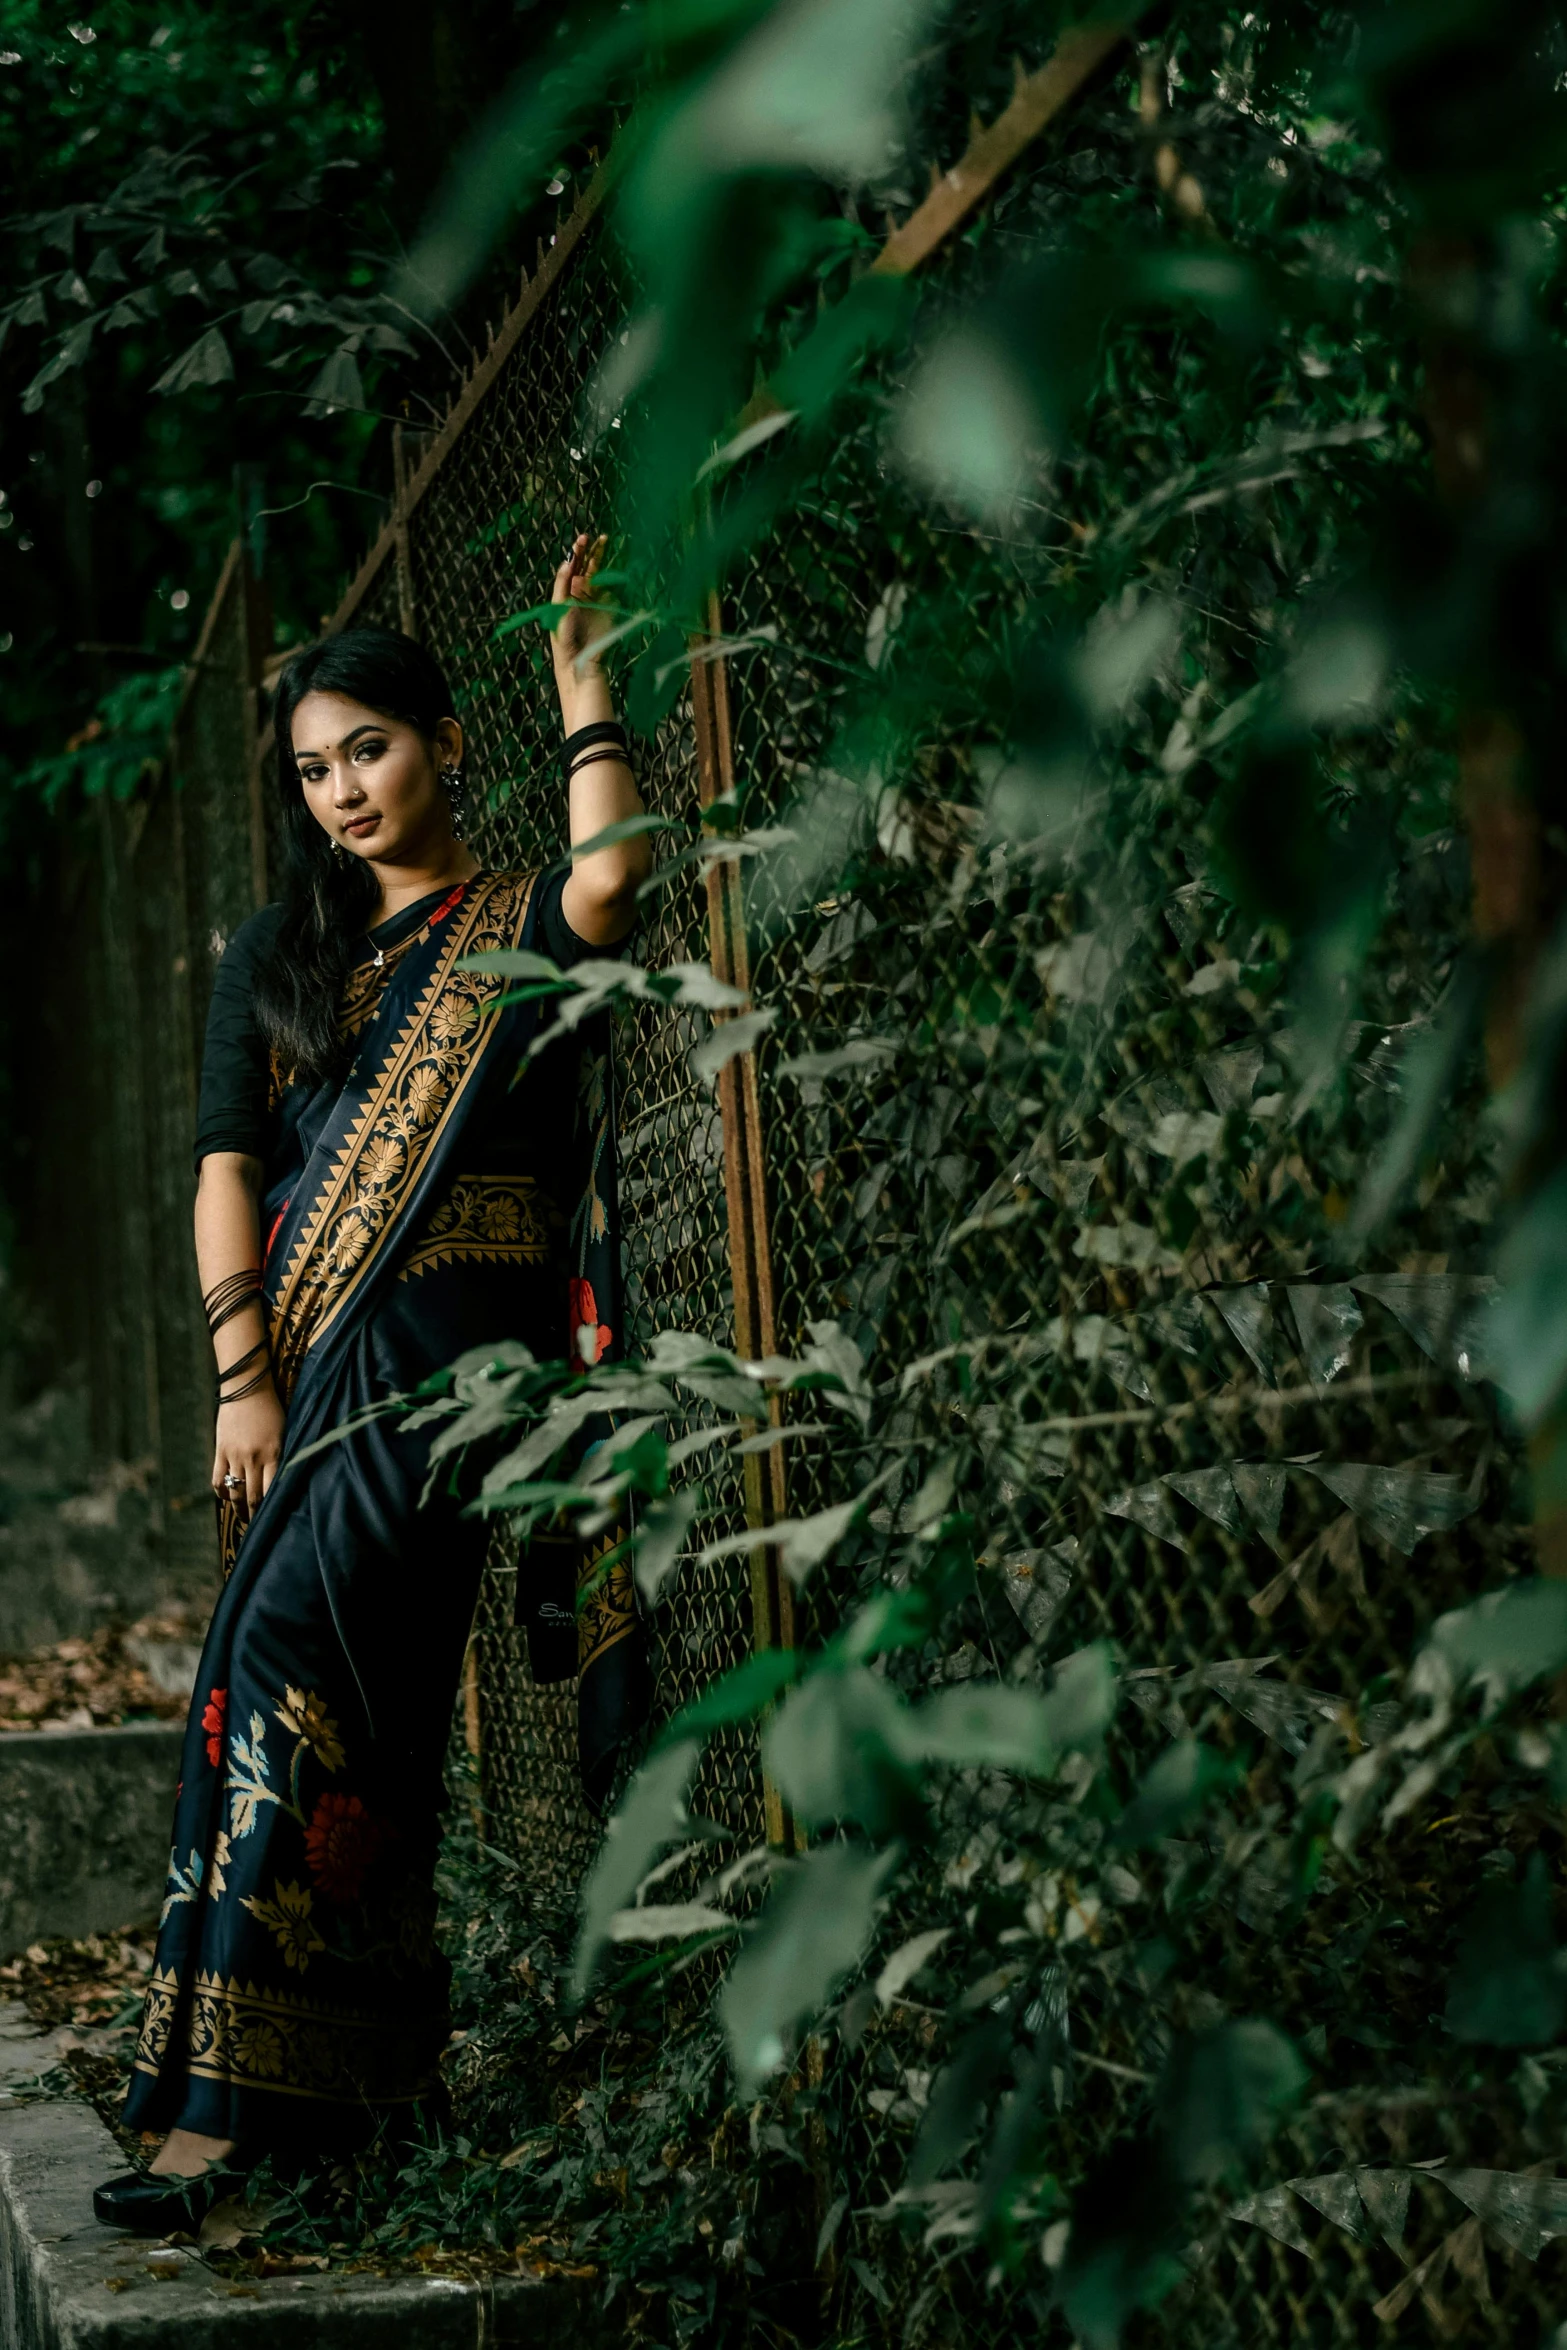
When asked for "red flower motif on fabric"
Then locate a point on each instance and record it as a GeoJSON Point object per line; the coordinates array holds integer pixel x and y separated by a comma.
{"type": "Point", "coordinates": [212, 1722]}
{"type": "Point", "coordinates": [586, 1328]}
{"type": "Point", "coordinates": [340, 1843]}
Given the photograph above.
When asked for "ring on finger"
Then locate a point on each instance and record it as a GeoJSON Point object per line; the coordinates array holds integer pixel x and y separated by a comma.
{"type": "Point", "coordinates": [232, 1483]}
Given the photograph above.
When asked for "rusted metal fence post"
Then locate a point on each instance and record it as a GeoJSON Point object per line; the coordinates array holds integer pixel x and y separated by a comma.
{"type": "Point", "coordinates": [1516, 880]}
{"type": "Point", "coordinates": [1037, 100]}
{"type": "Point", "coordinates": [745, 1166]}
{"type": "Point", "coordinates": [402, 554]}
{"type": "Point", "coordinates": [258, 646]}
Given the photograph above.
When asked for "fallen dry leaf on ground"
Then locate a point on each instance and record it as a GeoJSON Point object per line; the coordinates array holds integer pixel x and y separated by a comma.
{"type": "Point", "coordinates": [232, 2222]}
{"type": "Point", "coordinates": [121, 1673]}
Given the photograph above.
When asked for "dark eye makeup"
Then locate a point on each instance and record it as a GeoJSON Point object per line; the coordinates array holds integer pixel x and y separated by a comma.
{"type": "Point", "coordinates": [316, 770]}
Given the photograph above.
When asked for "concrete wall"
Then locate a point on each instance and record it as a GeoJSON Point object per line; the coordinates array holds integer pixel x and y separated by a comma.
{"type": "Point", "coordinates": [78, 1541]}
{"type": "Point", "coordinates": [85, 1817]}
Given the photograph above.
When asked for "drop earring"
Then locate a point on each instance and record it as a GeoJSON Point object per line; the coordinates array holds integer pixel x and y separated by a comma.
{"type": "Point", "coordinates": [456, 792]}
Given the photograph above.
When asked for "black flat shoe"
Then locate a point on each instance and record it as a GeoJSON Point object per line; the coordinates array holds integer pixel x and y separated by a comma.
{"type": "Point", "coordinates": [156, 2206]}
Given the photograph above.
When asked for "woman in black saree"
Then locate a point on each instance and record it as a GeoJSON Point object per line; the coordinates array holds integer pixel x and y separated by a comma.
{"type": "Point", "coordinates": [376, 1197]}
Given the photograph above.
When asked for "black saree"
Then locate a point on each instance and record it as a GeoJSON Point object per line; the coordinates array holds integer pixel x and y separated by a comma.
{"type": "Point", "coordinates": [423, 1209]}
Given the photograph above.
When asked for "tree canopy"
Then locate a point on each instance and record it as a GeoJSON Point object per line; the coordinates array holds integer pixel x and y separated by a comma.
{"type": "Point", "coordinates": [203, 209]}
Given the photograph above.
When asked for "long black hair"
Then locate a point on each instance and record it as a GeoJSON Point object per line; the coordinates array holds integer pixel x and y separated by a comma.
{"type": "Point", "coordinates": [328, 898]}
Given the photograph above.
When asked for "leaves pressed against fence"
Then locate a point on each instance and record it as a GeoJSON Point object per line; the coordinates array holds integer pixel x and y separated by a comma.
{"type": "Point", "coordinates": [814, 1931]}
{"type": "Point", "coordinates": [1510, 1983]}
{"type": "Point", "coordinates": [652, 1819]}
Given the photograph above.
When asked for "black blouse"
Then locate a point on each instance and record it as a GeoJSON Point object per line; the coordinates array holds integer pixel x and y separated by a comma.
{"type": "Point", "coordinates": [233, 1113]}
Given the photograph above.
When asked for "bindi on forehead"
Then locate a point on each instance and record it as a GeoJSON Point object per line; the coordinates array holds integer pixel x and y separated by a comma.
{"type": "Point", "coordinates": [371, 726]}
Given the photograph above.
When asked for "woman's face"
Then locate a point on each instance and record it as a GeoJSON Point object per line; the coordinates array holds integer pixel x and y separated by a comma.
{"type": "Point", "coordinates": [371, 782]}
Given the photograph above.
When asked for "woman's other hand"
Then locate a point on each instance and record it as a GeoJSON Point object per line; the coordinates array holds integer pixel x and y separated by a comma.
{"type": "Point", "coordinates": [578, 681]}
{"type": "Point", "coordinates": [250, 1445]}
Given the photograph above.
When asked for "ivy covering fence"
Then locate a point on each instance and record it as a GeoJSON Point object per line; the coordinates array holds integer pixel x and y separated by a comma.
{"type": "Point", "coordinates": [1088, 1153]}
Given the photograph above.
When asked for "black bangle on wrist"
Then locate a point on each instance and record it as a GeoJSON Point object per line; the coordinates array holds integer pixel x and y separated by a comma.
{"type": "Point", "coordinates": [261, 1353]}
{"type": "Point", "coordinates": [603, 730]}
{"type": "Point", "coordinates": [608, 751]}
{"type": "Point", "coordinates": [231, 1297]}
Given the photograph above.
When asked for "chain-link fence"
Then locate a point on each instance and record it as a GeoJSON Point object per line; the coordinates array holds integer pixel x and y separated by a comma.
{"type": "Point", "coordinates": [478, 537]}
{"type": "Point", "coordinates": [1036, 1132]}
{"type": "Point", "coordinates": [1261, 1473]}
{"type": "Point", "coordinates": [1040, 1133]}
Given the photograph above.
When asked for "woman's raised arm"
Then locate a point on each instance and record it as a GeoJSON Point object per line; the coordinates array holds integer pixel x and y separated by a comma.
{"type": "Point", "coordinates": [600, 897]}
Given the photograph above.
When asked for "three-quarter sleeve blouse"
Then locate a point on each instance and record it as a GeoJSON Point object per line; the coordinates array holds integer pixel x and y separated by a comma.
{"type": "Point", "coordinates": [234, 1109]}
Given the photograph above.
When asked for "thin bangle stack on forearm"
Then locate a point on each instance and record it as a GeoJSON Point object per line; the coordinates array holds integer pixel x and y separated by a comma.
{"type": "Point", "coordinates": [229, 1298]}
{"type": "Point", "coordinates": [605, 739]}
{"type": "Point", "coordinates": [261, 1354]}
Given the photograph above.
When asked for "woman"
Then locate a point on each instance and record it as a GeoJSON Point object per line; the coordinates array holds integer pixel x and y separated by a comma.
{"type": "Point", "coordinates": [376, 1197]}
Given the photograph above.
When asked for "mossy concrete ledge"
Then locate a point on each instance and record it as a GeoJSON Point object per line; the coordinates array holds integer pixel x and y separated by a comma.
{"type": "Point", "coordinates": [84, 1829]}
{"type": "Point", "coordinates": [68, 2284]}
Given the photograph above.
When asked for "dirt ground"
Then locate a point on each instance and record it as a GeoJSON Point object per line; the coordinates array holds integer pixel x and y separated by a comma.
{"type": "Point", "coordinates": [89, 1993]}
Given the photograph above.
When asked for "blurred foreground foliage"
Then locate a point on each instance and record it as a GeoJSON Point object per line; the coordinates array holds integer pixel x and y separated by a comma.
{"type": "Point", "coordinates": [1152, 900]}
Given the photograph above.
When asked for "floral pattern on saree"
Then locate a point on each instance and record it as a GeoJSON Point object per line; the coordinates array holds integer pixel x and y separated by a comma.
{"type": "Point", "coordinates": [486, 1219]}
{"type": "Point", "coordinates": [284, 2041]}
{"type": "Point", "coordinates": [315, 1905]}
{"type": "Point", "coordinates": [422, 1076]}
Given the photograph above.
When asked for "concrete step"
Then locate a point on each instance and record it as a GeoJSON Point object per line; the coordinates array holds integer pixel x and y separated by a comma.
{"type": "Point", "coordinates": [68, 2284]}
{"type": "Point", "coordinates": [28, 2050]}
{"type": "Point", "coordinates": [84, 1829]}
